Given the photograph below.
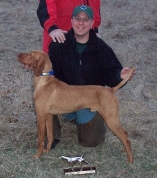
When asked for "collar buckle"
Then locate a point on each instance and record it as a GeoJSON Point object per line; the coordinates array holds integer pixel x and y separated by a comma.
{"type": "Point", "coordinates": [47, 73]}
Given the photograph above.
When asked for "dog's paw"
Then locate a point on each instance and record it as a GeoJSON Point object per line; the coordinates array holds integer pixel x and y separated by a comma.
{"type": "Point", "coordinates": [46, 150]}
{"type": "Point", "coordinates": [123, 150]}
{"type": "Point", "coordinates": [36, 156]}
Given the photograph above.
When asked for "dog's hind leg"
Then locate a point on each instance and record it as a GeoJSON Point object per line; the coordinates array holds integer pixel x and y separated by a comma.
{"type": "Point", "coordinates": [126, 133]}
{"type": "Point", "coordinates": [117, 129]}
{"type": "Point", "coordinates": [113, 124]}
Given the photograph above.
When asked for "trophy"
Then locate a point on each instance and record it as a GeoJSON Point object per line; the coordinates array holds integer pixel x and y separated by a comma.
{"type": "Point", "coordinates": [82, 169]}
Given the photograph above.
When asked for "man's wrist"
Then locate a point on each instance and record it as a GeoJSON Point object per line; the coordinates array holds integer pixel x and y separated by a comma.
{"type": "Point", "coordinates": [54, 27]}
{"type": "Point", "coordinates": [119, 76]}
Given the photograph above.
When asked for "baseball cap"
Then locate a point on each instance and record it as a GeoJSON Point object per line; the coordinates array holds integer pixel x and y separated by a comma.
{"type": "Point", "coordinates": [83, 8]}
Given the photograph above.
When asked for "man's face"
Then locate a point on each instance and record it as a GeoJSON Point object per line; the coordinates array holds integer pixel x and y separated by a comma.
{"type": "Point", "coordinates": [81, 24]}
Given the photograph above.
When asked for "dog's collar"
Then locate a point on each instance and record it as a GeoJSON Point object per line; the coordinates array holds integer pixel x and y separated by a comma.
{"type": "Point", "coordinates": [47, 73]}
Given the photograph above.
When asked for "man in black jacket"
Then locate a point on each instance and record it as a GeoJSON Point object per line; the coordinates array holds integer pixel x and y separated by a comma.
{"type": "Point", "coordinates": [85, 59]}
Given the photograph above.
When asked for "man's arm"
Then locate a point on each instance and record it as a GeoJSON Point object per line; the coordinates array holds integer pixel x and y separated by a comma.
{"type": "Point", "coordinates": [47, 14]}
{"type": "Point", "coordinates": [111, 67]}
{"type": "Point", "coordinates": [114, 73]}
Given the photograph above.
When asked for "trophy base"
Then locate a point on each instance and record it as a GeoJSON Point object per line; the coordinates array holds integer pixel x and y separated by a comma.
{"type": "Point", "coordinates": [77, 170]}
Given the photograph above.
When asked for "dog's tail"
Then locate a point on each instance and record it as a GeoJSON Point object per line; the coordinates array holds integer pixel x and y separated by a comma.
{"type": "Point", "coordinates": [114, 89]}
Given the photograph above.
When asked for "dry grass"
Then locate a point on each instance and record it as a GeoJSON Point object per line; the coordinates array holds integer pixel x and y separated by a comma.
{"type": "Point", "coordinates": [130, 27]}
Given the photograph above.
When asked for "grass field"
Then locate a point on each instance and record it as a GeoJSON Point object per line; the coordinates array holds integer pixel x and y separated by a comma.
{"type": "Point", "coordinates": [130, 28]}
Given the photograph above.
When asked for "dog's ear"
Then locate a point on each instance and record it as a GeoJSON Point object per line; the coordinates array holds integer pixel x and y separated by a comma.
{"type": "Point", "coordinates": [39, 67]}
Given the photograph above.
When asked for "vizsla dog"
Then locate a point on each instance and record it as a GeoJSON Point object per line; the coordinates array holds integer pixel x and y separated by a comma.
{"type": "Point", "coordinates": [54, 97]}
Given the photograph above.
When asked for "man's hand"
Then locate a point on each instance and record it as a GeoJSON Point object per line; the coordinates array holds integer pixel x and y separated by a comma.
{"type": "Point", "coordinates": [125, 71]}
{"type": "Point", "coordinates": [58, 35]}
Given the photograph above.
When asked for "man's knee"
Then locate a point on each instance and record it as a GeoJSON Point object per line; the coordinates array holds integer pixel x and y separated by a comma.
{"type": "Point", "coordinates": [92, 133]}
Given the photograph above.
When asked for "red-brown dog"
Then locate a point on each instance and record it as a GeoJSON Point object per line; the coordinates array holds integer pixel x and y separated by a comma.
{"type": "Point", "coordinates": [49, 91]}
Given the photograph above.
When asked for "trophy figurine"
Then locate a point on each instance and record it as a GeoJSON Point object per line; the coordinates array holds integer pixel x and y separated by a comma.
{"type": "Point", "coordinates": [82, 169]}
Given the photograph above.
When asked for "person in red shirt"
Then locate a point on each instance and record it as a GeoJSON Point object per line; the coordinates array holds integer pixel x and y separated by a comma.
{"type": "Point", "coordinates": [55, 18]}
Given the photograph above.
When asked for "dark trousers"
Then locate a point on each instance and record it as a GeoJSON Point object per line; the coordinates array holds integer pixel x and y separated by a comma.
{"type": "Point", "coordinates": [90, 134]}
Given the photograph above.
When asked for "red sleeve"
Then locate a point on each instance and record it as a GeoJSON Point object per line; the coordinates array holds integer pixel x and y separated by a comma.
{"type": "Point", "coordinates": [95, 5]}
{"type": "Point", "coordinates": [47, 13]}
{"type": "Point", "coordinates": [51, 9]}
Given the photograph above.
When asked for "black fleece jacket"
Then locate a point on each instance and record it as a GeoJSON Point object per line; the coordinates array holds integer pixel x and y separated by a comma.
{"type": "Point", "coordinates": [97, 65]}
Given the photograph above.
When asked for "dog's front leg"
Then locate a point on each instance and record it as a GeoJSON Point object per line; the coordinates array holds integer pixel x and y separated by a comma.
{"type": "Point", "coordinates": [49, 129]}
{"type": "Point", "coordinates": [41, 136]}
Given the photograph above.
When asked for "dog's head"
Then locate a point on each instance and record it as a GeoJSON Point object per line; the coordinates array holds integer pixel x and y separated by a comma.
{"type": "Point", "coordinates": [34, 60]}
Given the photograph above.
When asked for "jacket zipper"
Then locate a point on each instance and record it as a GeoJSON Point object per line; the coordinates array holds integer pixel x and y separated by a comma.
{"type": "Point", "coordinates": [80, 62]}
{"type": "Point", "coordinates": [80, 70]}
